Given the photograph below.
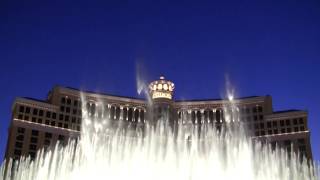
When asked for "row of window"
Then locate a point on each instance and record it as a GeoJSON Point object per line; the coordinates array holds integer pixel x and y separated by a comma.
{"type": "Point", "coordinates": [276, 131]}
{"type": "Point", "coordinates": [210, 116]}
{"type": "Point", "coordinates": [288, 142]}
{"type": "Point", "coordinates": [75, 111]}
{"type": "Point", "coordinates": [65, 118]}
{"type": "Point", "coordinates": [289, 122]}
{"type": "Point", "coordinates": [33, 142]}
{"type": "Point", "coordinates": [196, 116]}
{"type": "Point", "coordinates": [68, 101]}
{"type": "Point", "coordinates": [114, 113]}
{"type": "Point", "coordinates": [49, 115]}
{"type": "Point", "coordinates": [274, 124]}
{"type": "Point", "coordinates": [75, 125]}
{"type": "Point", "coordinates": [37, 112]}
{"type": "Point", "coordinates": [247, 110]}
{"type": "Point", "coordinates": [243, 111]}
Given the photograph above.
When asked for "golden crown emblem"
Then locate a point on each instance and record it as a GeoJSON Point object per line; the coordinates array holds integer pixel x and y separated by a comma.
{"type": "Point", "coordinates": [161, 88]}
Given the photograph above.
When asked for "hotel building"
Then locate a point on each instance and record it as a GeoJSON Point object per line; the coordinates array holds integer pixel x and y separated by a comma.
{"type": "Point", "coordinates": [39, 124]}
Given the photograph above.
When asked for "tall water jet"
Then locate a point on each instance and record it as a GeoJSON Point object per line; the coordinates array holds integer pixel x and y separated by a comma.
{"type": "Point", "coordinates": [142, 87]}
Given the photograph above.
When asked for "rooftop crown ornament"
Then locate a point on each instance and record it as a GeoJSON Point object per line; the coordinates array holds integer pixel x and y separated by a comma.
{"type": "Point", "coordinates": [161, 88]}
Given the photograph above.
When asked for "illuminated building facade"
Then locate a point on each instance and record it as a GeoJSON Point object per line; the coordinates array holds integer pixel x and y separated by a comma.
{"type": "Point", "coordinates": [40, 124]}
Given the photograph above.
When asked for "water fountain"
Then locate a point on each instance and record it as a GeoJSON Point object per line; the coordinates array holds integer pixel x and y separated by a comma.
{"type": "Point", "coordinates": [109, 151]}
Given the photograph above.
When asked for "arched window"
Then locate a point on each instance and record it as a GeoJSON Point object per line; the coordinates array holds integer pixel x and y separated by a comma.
{"type": "Point", "coordinates": [125, 111]}
{"type": "Point", "coordinates": [193, 117]}
{"type": "Point", "coordinates": [142, 115]}
{"type": "Point", "coordinates": [222, 116]}
{"type": "Point", "coordinates": [211, 116]}
{"type": "Point", "coordinates": [93, 109]}
{"type": "Point", "coordinates": [130, 114]}
{"type": "Point", "coordinates": [88, 108]}
{"type": "Point", "coordinates": [136, 115]}
{"type": "Point", "coordinates": [99, 111]}
{"type": "Point", "coordinates": [118, 113]}
{"type": "Point", "coordinates": [218, 115]}
{"type": "Point", "coordinates": [106, 112]}
{"type": "Point", "coordinates": [206, 116]}
{"type": "Point", "coordinates": [112, 111]}
{"type": "Point", "coordinates": [198, 117]}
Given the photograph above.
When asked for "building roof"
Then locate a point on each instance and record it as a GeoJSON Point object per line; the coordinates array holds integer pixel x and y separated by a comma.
{"type": "Point", "coordinates": [217, 99]}
{"type": "Point", "coordinates": [287, 111]}
{"type": "Point", "coordinates": [101, 93]}
{"type": "Point", "coordinates": [177, 100]}
{"type": "Point", "coordinates": [34, 99]}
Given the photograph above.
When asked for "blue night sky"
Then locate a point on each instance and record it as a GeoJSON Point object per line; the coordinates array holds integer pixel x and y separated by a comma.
{"type": "Point", "coordinates": [264, 47]}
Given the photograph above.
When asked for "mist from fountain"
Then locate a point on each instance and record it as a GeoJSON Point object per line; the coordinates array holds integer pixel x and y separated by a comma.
{"type": "Point", "coordinates": [116, 150]}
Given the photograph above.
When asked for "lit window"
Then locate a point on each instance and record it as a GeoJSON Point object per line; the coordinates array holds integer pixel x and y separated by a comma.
{"type": "Point", "coordinates": [41, 113]}
{"type": "Point", "coordinates": [20, 137]}
{"type": "Point", "coordinates": [48, 135]}
{"type": "Point", "coordinates": [48, 114]}
{"type": "Point", "coordinates": [288, 122]}
{"type": "Point", "coordinates": [289, 130]}
{"type": "Point", "coordinates": [274, 123]}
{"type": "Point", "coordinates": [21, 109]}
{"type": "Point", "coordinates": [75, 103]}
{"type": "Point", "coordinates": [21, 130]}
{"type": "Point", "coordinates": [269, 124]}
{"type": "Point", "coordinates": [301, 121]}
{"type": "Point", "coordinates": [35, 133]}
{"type": "Point", "coordinates": [33, 147]}
{"type": "Point", "coordinates": [35, 111]}
{"type": "Point", "coordinates": [19, 144]}
{"type": "Point", "coordinates": [63, 100]}
{"type": "Point", "coordinates": [275, 131]}
{"type": "Point", "coordinates": [54, 115]}
{"type": "Point", "coordinates": [47, 142]}
{"type": "Point", "coordinates": [33, 140]}
{"type": "Point", "coordinates": [17, 152]}
{"type": "Point", "coordinates": [60, 137]}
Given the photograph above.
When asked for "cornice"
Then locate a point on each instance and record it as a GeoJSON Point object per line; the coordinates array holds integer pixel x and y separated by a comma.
{"type": "Point", "coordinates": [34, 104]}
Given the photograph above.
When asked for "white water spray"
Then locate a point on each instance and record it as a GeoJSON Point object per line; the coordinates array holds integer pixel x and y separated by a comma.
{"type": "Point", "coordinates": [114, 150]}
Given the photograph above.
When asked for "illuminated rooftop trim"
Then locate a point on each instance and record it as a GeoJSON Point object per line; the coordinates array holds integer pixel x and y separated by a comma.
{"type": "Point", "coordinates": [161, 88]}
